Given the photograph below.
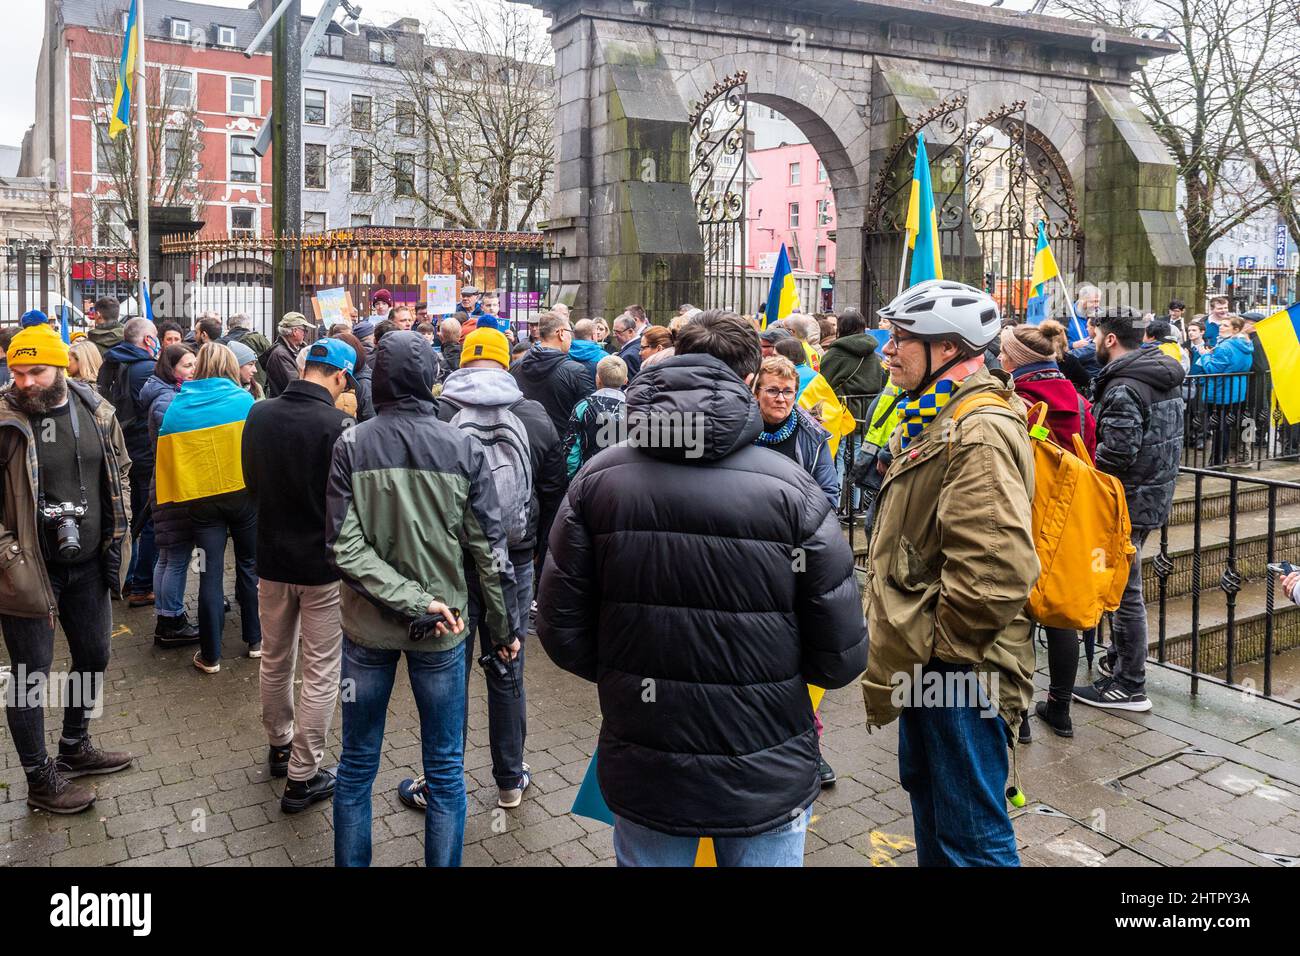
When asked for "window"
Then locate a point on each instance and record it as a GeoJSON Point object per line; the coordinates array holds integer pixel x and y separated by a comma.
{"type": "Point", "coordinates": [178, 89]}
{"type": "Point", "coordinates": [313, 166]}
{"type": "Point", "coordinates": [405, 118]}
{"type": "Point", "coordinates": [794, 215]}
{"type": "Point", "coordinates": [104, 82]}
{"type": "Point", "coordinates": [243, 96]}
{"type": "Point", "coordinates": [823, 212]}
{"type": "Point", "coordinates": [313, 107]}
{"type": "Point", "coordinates": [313, 222]}
{"type": "Point", "coordinates": [440, 67]}
{"type": "Point", "coordinates": [110, 229]}
{"type": "Point", "coordinates": [243, 164]}
{"type": "Point", "coordinates": [103, 150]}
{"type": "Point", "coordinates": [173, 140]}
{"type": "Point", "coordinates": [180, 29]}
{"type": "Point", "coordinates": [821, 258]}
{"type": "Point", "coordinates": [360, 170]}
{"type": "Point", "coordinates": [404, 222]}
{"type": "Point", "coordinates": [404, 174]}
{"type": "Point", "coordinates": [333, 45]}
{"type": "Point", "coordinates": [794, 174]}
{"type": "Point", "coordinates": [821, 172]}
{"type": "Point", "coordinates": [360, 220]}
{"type": "Point", "coordinates": [243, 222]}
{"type": "Point", "coordinates": [362, 111]}
{"type": "Point", "coordinates": [382, 51]}
{"type": "Point", "coordinates": [225, 36]}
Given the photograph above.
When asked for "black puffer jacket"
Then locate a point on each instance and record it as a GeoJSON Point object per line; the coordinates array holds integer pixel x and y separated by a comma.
{"type": "Point", "coordinates": [702, 587]}
{"type": "Point", "coordinates": [1139, 411]}
{"type": "Point", "coordinates": [550, 377]}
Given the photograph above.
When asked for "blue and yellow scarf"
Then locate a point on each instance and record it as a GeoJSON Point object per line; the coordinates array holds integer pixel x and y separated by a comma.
{"type": "Point", "coordinates": [918, 413]}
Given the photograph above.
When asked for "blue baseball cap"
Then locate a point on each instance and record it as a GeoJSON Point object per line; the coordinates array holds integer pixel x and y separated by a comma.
{"type": "Point", "coordinates": [334, 352]}
{"type": "Point", "coordinates": [33, 317]}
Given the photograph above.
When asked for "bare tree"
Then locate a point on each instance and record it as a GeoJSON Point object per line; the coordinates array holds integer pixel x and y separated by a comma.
{"type": "Point", "coordinates": [477, 97]}
{"type": "Point", "coordinates": [1206, 101]}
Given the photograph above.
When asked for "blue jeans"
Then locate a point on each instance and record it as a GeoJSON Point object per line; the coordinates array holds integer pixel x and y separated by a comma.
{"type": "Point", "coordinates": [507, 703]}
{"type": "Point", "coordinates": [635, 845]}
{"type": "Point", "coordinates": [953, 763]}
{"type": "Point", "coordinates": [438, 682]}
{"type": "Point", "coordinates": [213, 520]}
{"type": "Point", "coordinates": [169, 575]}
{"type": "Point", "coordinates": [140, 573]}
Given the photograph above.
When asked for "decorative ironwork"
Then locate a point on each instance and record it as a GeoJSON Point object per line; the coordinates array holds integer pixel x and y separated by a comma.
{"type": "Point", "coordinates": [995, 177]}
{"type": "Point", "coordinates": [720, 185]}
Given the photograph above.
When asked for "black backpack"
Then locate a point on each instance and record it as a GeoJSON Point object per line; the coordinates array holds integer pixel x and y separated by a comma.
{"type": "Point", "coordinates": [120, 396]}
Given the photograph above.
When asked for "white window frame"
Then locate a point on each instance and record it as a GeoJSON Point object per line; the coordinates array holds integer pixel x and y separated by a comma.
{"type": "Point", "coordinates": [360, 225]}
{"type": "Point", "coordinates": [230, 160]}
{"type": "Point", "coordinates": [230, 221]}
{"type": "Point", "coordinates": [324, 219]}
{"type": "Point", "coordinates": [257, 95]}
{"type": "Point", "coordinates": [221, 36]}
{"type": "Point", "coordinates": [794, 173]}
{"type": "Point", "coordinates": [397, 158]}
{"type": "Point", "coordinates": [325, 154]}
{"type": "Point", "coordinates": [166, 132]}
{"type": "Point", "coordinates": [123, 235]}
{"type": "Point", "coordinates": [95, 66]}
{"type": "Point", "coordinates": [384, 44]}
{"type": "Point", "coordinates": [183, 33]}
{"type": "Point", "coordinates": [792, 215]}
{"type": "Point", "coordinates": [94, 146]}
{"type": "Point", "coordinates": [409, 224]}
{"type": "Point", "coordinates": [823, 212]}
{"type": "Point", "coordinates": [325, 96]}
{"type": "Point", "coordinates": [164, 91]}
{"type": "Point", "coordinates": [352, 171]}
{"type": "Point", "coordinates": [821, 172]}
{"type": "Point", "coordinates": [352, 112]}
{"type": "Point", "coordinates": [397, 117]}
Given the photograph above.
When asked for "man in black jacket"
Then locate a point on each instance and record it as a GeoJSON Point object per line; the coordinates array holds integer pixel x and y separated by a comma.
{"type": "Point", "coordinates": [280, 361]}
{"type": "Point", "coordinates": [1139, 411]}
{"type": "Point", "coordinates": [702, 623]}
{"type": "Point", "coordinates": [547, 375]}
{"type": "Point", "coordinates": [288, 443]}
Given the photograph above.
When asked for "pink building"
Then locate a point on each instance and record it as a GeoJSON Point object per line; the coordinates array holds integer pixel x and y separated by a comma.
{"type": "Point", "coordinates": [791, 202]}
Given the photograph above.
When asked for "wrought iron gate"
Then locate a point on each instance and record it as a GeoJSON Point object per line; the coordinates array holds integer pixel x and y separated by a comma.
{"type": "Point", "coordinates": [995, 177]}
{"type": "Point", "coordinates": [719, 185]}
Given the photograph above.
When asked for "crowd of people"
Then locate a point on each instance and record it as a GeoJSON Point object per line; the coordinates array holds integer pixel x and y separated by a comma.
{"type": "Point", "coordinates": [394, 486]}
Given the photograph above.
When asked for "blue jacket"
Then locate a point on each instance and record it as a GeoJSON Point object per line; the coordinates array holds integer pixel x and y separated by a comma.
{"type": "Point", "coordinates": [1233, 354]}
{"type": "Point", "coordinates": [812, 452]}
{"type": "Point", "coordinates": [589, 354]}
{"type": "Point", "coordinates": [134, 420]}
{"type": "Point", "coordinates": [1087, 357]}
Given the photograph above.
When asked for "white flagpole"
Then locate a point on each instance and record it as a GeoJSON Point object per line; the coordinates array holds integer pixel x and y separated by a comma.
{"type": "Point", "coordinates": [902, 263]}
{"type": "Point", "coordinates": [142, 157]}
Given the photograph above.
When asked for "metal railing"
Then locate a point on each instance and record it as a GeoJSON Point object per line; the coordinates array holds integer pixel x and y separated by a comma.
{"type": "Point", "coordinates": [1231, 419]}
{"type": "Point", "coordinates": [1253, 288]}
{"type": "Point", "coordinates": [48, 276]}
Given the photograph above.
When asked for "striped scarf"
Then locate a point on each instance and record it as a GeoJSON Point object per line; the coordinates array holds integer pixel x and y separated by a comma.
{"type": "Point", "coordinates": [918, 413]}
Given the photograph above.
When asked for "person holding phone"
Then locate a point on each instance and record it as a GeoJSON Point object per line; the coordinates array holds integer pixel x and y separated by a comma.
{"type": "Point", "coordinates": [1288, 579]}
{"type": "Point", "coordinates": [410, 499]}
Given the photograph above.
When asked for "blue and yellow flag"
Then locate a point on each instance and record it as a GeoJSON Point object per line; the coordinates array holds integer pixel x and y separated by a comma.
{"type": "Point", "coordinates": [1045, 269]}
{"type": "Point", "coordinates": [121, 117]}
{"type": "Point", "coordinates": [922, 221]}
{"type": "Point", "coordinates": [200, 439]}
{"type": "Point", "coordinates": [1279, 334]}
{"type": "Point", "coordinates": [782, 297]}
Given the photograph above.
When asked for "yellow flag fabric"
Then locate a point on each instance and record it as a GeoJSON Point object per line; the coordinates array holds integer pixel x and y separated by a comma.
{"type": "Point", "coordinates": [836, 419]}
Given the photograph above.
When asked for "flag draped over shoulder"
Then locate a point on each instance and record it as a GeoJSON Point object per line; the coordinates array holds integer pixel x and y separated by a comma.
{"type": "Point", "coordinates": [200, 439]}
{"type": "Point", "coordinates": [922, 221]}
{"type": "Point", "coordinates": [1045, 269]}
{"type": "Point", "coordinates": [1279, 334]}
{"type": "Point", "coordinates": [121, 117]}
{"type": "Point", "coordinates": [836, 419]}
{"type": "Point", "coordinates": [782, 297]}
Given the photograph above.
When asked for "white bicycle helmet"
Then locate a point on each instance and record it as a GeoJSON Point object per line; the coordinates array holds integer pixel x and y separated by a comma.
{"type": "Point", "coordinates": [942, 309]}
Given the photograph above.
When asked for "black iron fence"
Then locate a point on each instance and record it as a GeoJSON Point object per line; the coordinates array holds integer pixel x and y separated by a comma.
{"type": "Point", "coordinates": [1232, 419]}
{"type": "Point", "coordinates": [1265, 290]}
{"type": "Point", "coordinates": [52, 277]}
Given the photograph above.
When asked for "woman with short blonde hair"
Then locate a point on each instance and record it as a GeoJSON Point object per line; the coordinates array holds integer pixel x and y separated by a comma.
{"type": "Point", "coordinates": [790, 430]}
{"type": "Point", "coordinates": [84, 362]}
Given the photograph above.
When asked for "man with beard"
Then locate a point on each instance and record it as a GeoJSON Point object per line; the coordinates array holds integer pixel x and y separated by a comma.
{"type": "Point", "coordinates": [62, 524]}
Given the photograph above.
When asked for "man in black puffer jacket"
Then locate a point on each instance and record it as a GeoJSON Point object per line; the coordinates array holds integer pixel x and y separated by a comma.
{"type": "Point", "coordinates": [1138, 406]}
{"type": "Point", "coordinates": [703, 584]}
{"type": "Point", "coordinates": [547, 375]}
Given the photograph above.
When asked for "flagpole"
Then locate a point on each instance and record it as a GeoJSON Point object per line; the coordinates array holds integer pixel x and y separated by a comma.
{"type": "Point", "coordinates": [142, 159]}
{"type": "Point", "coordinates": [902, 264]}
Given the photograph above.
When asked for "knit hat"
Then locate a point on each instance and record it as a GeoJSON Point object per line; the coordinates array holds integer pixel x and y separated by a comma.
{"type": "Point", "coordinates": [381, 295]}
{"type": "Point", "coordinates": [363, 328]}
{"type": "Point", "coordinates": [485, 343]}
{"type": "Point", "coordinates": [33, 317]}
{"type": "Point", "coordinates": [1021, 353]}
{"type": "Point", "coordinates": [243, 354]}
{"type": "Point", "coordinates": [37, 345]}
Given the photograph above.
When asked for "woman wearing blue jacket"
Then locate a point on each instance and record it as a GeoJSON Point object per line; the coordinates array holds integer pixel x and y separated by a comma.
{"type": "Point", "coordinates": [1223, 391]}
{"type": "Point", "coordinates": [789, 429]}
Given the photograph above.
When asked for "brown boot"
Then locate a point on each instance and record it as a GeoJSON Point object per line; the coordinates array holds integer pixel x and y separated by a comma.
{"type": "Point", "coordinates": [84, 758]}
{"type": "Point", "coordinates": [49, 790]}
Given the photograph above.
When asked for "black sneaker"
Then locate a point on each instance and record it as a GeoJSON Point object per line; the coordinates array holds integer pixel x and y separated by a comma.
{"type": "Point", "coordinates": [50, 790]}
{"type": "Point", "coordinates": [1025, 735]}
{"type": "Point", "coordinates": [825, 773]}
{"type": "Point", "coordinates": [301, 794]}
{"type": "Point", "coordinates": [1103, 665]}
{"type": "Point", "coordinates": [175, 631]}
{"type": "Point", "coordinates": [84, 758]}
{"type": "Point", "coordinates": [277, 759]}
{"type": "Point", "coordinates": [1107, 693]}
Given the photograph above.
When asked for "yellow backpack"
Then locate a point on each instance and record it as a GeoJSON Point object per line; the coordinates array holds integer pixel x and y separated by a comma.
{"type": "Point", "coordinates": [1080, 525]}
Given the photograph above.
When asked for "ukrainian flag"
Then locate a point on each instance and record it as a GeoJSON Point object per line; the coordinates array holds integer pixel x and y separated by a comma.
{"type": "Point", "coordinates": [1279, 334]}
{"type": "Point", "coordinates": [121, 117]}
{"type": "Point", "coordinates": [782, 297]}
{"type": "Point", "coordinates": [1045, 269]}
{"type": "Point", "coordinates": [922, 221]}
{"type": "Point", "coordinates": [199, 441]}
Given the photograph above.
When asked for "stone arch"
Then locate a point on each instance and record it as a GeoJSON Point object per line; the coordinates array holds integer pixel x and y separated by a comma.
{"type": "Point", "coordinates": [1042, 113]}
{"type": "Point", "coordinates": [833, 123]}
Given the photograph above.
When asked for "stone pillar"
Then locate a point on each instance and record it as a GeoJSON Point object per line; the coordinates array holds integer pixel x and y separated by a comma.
{"type": "Point", "coordinates": [624, 224]}
{"type": "Point", "coordinates": [1130, 225]}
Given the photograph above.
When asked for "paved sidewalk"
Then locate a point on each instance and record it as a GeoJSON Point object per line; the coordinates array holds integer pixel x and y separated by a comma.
{"type": "Point", "coordinates": [1212, 781]}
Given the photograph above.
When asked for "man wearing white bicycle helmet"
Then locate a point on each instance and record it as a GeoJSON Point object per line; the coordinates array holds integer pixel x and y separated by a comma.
{"type": "Point", "coordinates": [951, 565]}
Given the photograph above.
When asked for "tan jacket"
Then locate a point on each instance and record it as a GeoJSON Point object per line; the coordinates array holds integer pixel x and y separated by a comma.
{"type": "Point", "coordinates": [951, 559]}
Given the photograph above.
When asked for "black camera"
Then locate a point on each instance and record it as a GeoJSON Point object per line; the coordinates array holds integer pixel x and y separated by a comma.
{"type": "Point", "coordinates": [65, 519]}
{"type": "Point", "coordinates": [427, 624]}
{"type": "Point", "coordinates": [499, 667]}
